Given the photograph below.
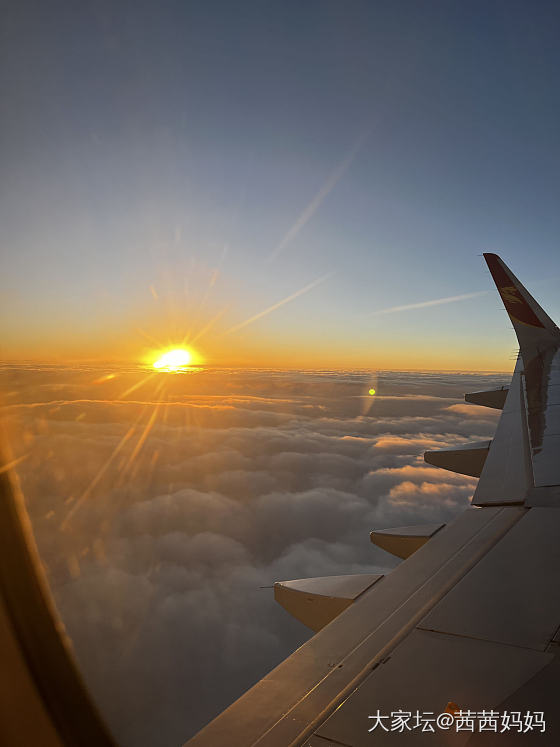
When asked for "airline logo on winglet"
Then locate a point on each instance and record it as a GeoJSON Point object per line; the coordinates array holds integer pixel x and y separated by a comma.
{"type": "Point", "coordinates": [508, 294]}
{"type": "Point", "coordinates": [516, 306]}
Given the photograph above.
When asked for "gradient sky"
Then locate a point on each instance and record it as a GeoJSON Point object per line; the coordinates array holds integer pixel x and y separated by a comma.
{"type": "Point", "coordinates": [169, 164]}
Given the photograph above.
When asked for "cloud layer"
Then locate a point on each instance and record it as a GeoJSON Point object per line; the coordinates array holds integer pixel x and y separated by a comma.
{"type": "Point", "coordinates": [158, 530]}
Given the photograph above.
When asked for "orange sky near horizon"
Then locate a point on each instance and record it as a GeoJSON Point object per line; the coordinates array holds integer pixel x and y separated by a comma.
{"type": "Point", "coordinates": [307, 326]}
{"type": "Point", "coordinates": [263, 351]}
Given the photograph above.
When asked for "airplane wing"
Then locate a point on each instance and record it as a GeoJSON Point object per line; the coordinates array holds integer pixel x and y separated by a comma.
{"type": "Point", "coordinates": [468, 623]}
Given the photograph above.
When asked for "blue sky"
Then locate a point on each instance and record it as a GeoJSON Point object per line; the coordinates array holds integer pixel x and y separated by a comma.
{"type": "Point", "coordinates": [229, 155]}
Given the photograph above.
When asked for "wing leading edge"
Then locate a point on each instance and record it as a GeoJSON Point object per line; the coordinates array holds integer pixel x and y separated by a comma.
{"type": "Point", "coordinates": [468, 617]}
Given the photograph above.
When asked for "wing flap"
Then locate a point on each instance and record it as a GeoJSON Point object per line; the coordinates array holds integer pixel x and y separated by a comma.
{"type": "Point", "coordinates": [423, 674]}
{"type": "Point", "coordinates": [500, 606]}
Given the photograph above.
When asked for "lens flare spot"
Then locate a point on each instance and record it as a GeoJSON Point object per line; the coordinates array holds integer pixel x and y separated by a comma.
{"type": "Point", "coordinates": [173, 360]}
{"type": "Point", "coordinates": [372, 392]}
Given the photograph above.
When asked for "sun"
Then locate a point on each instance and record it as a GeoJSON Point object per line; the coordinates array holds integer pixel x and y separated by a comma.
{"type": "Point", "coordinates": [177, 359]}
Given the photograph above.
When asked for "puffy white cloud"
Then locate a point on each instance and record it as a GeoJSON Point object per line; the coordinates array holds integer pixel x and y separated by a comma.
{"type": "Point", "coordinates": [159, 530]}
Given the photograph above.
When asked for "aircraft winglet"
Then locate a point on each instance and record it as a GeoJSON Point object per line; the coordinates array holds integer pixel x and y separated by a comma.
{"type": "Point", "coordinates": [531, 323]}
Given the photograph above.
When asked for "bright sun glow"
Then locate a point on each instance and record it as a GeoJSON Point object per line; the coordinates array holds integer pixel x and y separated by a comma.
{"type": "Point", "coordinates": [173, 360]}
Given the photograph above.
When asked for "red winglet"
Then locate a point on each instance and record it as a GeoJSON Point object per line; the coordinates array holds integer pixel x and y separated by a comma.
{"type": "Point", "coordinates": [509, 288]}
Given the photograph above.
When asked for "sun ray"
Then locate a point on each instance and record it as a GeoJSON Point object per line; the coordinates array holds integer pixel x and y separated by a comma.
{"type": "Point", "coordinates": [136, 386]}
{"type": "Point", "coordinates": [202, 302]}
{"type": "Point", "coordinates": [148, 337]}
{"type": "Point", "coordinates": [277, 305]}
{"type": "Point", "coordinates": [332, 180]}
{"type": "Point", "coordinates": [207, 327]}
{"type": "Point", "coordinates": [87, 492]}
{"type": "Point", "coordinates": [142, 440]}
